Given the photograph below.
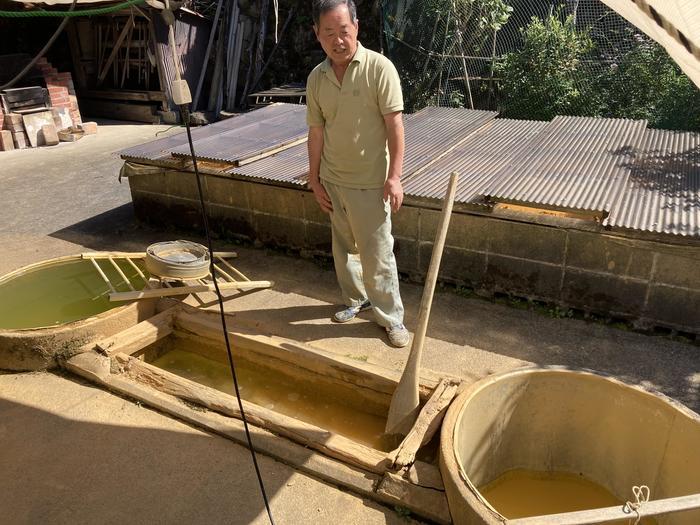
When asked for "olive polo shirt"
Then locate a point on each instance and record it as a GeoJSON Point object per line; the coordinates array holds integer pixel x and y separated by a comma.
{"type": "Point", "coordinates": [355, 153]}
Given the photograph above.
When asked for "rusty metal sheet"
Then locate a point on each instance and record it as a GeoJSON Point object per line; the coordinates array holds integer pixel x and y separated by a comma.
{"type": "Point", "coordinates": [477, 159]}
{"type": "Point", "coordinates": [579, 163]}
{"type": "Point", "coordinates": [433, 131]}
{"type": "Point", "coordinates": [160, 148]}
{"type": "Point", "coordinates": [662, 193]}
{"type": "Point", "coordinates": [250, 139]}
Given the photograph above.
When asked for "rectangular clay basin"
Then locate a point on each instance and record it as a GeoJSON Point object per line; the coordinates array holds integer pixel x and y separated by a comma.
{"type": "Point", "coordinates": [327, 402]}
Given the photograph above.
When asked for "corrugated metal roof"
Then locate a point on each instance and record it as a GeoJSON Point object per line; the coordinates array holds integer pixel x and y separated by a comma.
{"type": "Point", "coordinates": [428, 133]}
{"type": "Point", "coordinates": [662, 193]}
{"type": "Point", "coordinates": [477, 159]}
{"type": "Point", "coordinates": [290, 165]}
{"type": "Point", "coordinates": [434, 130]}
{"type": "Point", "coordinates": [250, 138]}
{"type": "Point", "coordinates": [159, 149]}
{"type": "Point", "coordinates": [579, 163]}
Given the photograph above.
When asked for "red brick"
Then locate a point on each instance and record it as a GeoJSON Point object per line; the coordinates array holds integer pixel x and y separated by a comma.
{"type": "Point", "coordinates": [64, 74]}
{"type": "Point", "coordinates": [48, 135]}
{"type": "Point", "coordinates": [6, 142]}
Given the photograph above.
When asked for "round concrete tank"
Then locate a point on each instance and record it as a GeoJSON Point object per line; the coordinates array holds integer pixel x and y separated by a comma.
{"type": "Point", "coordinates": [53, 307]}
{"type": "Point", "coordinates": [565, 421]}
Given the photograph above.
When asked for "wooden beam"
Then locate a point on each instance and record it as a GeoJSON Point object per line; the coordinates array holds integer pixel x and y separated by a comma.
{"type": "Point", "coordinates": [97, 369]}
{"type": "Point", "coordinates": [141, 335]}
{"type": "Point", "coordinates": [186, 290]}
{"type": "Point", "coordinates": [608, 514]}
{"type": "Point", "coordinates": [329, 443]}
{"type": "Point", "coordinates": [206, 324]}
{"type": "Point", "coordinates": [427, 423]}
{"type": "Point", "coordinates": [430, 500]}
{"type": "Point", "coordinates": [115, 49]}
{"type": "Point", "coordinates": [134, 96]}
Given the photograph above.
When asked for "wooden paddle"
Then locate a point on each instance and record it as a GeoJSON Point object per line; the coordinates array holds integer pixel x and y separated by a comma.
{"type": "Point", "coordinates": [405, 403]}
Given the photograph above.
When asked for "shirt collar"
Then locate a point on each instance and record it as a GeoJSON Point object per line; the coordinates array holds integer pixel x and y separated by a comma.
{"type": "Point", "coordinates": [359, 56]}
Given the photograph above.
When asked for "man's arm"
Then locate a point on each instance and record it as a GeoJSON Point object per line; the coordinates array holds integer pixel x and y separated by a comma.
{"type": "Point", "coordinates": [315, 147]}
{"type": "Point", "coordinates": [394, 132]}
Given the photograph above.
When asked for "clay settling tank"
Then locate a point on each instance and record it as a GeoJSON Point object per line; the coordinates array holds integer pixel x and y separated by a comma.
{"type": "Point", "coordinates": [554, 420]}
{"type": "Point", "coordinates": [55, 306]}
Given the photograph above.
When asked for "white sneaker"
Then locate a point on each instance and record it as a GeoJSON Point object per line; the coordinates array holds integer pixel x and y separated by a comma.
{"type": "Point", "coordinates": [398, 335]}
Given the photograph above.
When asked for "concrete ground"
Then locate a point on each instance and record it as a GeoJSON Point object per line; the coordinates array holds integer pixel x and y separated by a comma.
{"type": "Point", "coordinates": [74, 453]}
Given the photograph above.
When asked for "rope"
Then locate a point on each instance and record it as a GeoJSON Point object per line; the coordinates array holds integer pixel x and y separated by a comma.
{"type": "Point", "coordinates": [641, 496]}
{"type": "Point", "coordinates": [71, 14]}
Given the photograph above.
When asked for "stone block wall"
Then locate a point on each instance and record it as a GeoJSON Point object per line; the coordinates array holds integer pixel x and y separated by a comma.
{"type": "Point", "coordinates": [649, 282]}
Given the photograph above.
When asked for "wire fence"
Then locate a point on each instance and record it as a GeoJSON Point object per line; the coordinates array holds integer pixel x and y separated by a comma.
{"type": "Point", "coordinates": [534, 59]}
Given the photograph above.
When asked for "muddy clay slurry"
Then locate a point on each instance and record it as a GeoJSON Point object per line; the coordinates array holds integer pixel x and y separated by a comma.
{"type": "Point", "coordinates": [267, 388]}
{"type": "Point", "coordinates": [60, 293]}
{"type": "Point", "coordinates": [525, 493]}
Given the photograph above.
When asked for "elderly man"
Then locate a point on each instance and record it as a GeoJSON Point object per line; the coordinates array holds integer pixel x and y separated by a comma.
{"type": "Point", "coordinates": [354, 110]}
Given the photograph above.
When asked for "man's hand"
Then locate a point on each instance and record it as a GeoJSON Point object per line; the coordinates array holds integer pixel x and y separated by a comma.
{"type": "Point", "coordinates": [393, 192]}
{"type": "Point", "coordinates": [324, 201]}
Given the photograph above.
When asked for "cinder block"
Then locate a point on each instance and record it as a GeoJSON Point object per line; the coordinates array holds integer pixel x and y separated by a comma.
{"type": "Point", "coordinates": [601, 253]}
{"type": "Point", "coordinates": [404, 223]}
{"type": "Point", "coordinates": [312, 211]}
{"type": "Point", "coordinates": [675, 307]}
{"type": "Point", "coordinates": [232, 223]}
{"type": "Point", "coordinates": [20, 139]}
{"type": "Point", "coordinates": [279, 231]}
{"type": "Point", "coordinates": [225, 191]}
{"type": "Point", "coordinates": [604, 293]}
{"type": "Point", "coordinates": [48, 135]}
{"type": "Point", "coordinates": [522, 277]}
{"type": "Point", "coordinates": [90, 128]}
{"type": "Point", "coordinates": [529, 241]}
{"type": "Point", "coordinates": [466, 231]}
{"type": "Point", "coordinates": [318, 237]}
{"type": "Point", "coordinates": [457, 265]}
{"type": "Point", "coordinates": [406, 253]}
{"type": "Point", "coordinates": [6, 142]}
{"type": "Point", "coordinates": [678, 269]}
{"type": "Point", "coordinates": [276, 200]}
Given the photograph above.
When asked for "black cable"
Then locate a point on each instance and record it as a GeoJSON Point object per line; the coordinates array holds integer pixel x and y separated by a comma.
{"type": "Point", "coordinates": [42, 52]}
{"type": "Point", "coordinates": [185, 114]}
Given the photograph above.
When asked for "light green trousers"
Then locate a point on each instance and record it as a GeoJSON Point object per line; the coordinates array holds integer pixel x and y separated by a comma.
{"type": "Point", "coordinates": [363, 251]}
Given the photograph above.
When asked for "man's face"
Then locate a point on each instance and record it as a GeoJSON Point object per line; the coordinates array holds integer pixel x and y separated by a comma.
{"type": "Point", "coordinates": [337, 35]}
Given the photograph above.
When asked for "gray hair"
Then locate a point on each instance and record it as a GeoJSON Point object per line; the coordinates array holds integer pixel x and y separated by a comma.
{"type": "Point", "coordinates": [323, 6]}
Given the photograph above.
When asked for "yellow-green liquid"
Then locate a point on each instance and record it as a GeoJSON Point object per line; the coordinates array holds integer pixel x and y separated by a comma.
{"type": "Point", "coordinates": [299, 399]}
{"type": "Point", "coordinates": [61, 293]}
{"type": "Point", "coordinates": [525, 493]}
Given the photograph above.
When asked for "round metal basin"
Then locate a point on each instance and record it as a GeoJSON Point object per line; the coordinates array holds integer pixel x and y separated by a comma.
{"type": "Point", "coordinates": [556, 420]}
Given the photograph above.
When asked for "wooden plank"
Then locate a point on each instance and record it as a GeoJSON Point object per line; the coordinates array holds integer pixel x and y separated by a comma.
{"type": "Point", "coordinates": [76, 54]}
{"type": "Point", "coordinates": [414, 498]}
{"type": "Point", "coordinates": [206, 324]}
{"type": "Point", "coordinates": [608, 514]}
{"type": "Point", "coordinates": [121, 274]}
{"type": "Point", "coordinates": [359, 481]}
{"type": "Point", "coordinates": [271, 151]}
{"type": "Point", "coordinates": [139, 336]}
{"type": "Point", "coordinates": [119, 110]}
{"type": "Point", "coordinates": [102, 274]}
{"type": "Point", "coordinates": [329, 443]}
{"type": "Point", "coordinates": [427, 423]}
{"type": "Point", "coordinates": [134, 96]}
{"type": "Point", "coordinates": [186, 290]}
{"type": "Point", "coordinates": [115, 50]}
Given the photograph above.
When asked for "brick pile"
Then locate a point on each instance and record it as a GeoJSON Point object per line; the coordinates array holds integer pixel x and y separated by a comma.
{"type": "Point", "coordinates": [61, 89]}
{"type": "Point", "coordinates": [61, 93]}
